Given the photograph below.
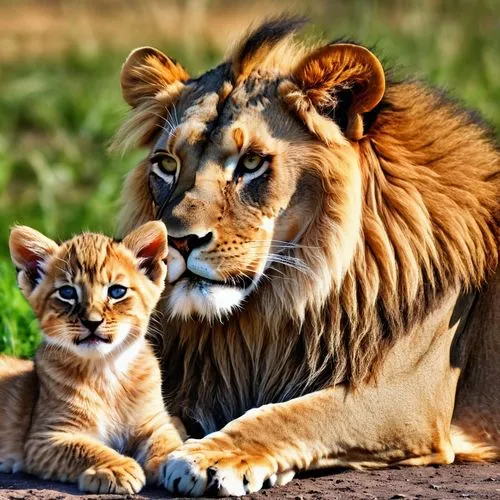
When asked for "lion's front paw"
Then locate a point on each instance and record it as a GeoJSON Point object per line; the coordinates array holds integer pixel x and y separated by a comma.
{"type": "Point", "coordinates": [124, 478]}
{"type": "Point", "coordinates": [199, 468]}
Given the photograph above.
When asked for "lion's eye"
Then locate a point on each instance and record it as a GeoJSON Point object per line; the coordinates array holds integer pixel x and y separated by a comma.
{"type": "Point", "coordinates": [165, 163]}
{"type": "Point", "coordinates": [252, 161]}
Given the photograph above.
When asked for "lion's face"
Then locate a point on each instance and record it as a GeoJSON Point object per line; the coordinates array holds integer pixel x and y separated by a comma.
{"type": "Point", "coordinates": [234, 192]}
{"type": "Point", "coordinates": [237, 171]}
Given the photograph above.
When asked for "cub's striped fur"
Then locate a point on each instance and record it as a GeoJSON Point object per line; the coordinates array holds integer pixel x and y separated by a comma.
{"type": "Point", "coordinates": [98, 382]}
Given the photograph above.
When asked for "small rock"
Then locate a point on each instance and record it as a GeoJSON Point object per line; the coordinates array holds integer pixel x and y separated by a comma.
{"type": "Point", "coordinates": [435, 486]}
{"type": "Point", "coordinates": [398, 495]}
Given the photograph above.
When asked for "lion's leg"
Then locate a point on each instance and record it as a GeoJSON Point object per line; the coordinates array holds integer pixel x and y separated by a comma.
{"type": "Point", "coordinates": [369, 428]}
{"type": "Point", "coordinates": [402, 419]}
{"type": "Point", "coordinates": [476, 421]}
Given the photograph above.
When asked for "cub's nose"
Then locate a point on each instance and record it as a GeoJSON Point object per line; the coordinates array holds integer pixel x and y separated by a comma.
{"type": "Point", "coordinates": [186, 244]}
{"type": "Point", "coordinates": [90, 325]}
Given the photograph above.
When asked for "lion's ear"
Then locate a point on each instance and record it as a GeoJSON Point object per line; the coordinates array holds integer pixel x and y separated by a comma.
{"type": "Point", "coordinates": [147, 72]}
{"type": "Point", "coordinates": [342, 81]}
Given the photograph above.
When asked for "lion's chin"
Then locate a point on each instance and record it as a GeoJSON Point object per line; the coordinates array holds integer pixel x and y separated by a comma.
{"type": "Point", "coordinates": [204, 299]}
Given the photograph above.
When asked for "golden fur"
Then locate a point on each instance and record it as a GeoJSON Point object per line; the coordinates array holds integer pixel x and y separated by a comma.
{"type": "Point", "coordinates": [18, 390]}
{"type": "Point", "coordinates": [90, 402]}
{"type": "Point", "coordinates": [386, 195]}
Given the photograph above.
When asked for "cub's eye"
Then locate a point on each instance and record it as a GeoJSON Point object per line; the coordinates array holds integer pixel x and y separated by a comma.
{"type": "Point", "coordinates": [117, 291]}
{"type": "Point", "coordinates": [164, 162]}
{"type": "Point", "coordinates": [67, 292]}
{"type": "Point", "coordinates": [252, 162]}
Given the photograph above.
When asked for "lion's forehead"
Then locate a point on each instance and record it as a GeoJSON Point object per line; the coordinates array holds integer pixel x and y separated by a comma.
{"type": "Point", "coordinates": [212, 104]}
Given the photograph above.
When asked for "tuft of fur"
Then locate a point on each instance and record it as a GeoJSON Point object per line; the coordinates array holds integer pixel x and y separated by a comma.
{"type": "Point", "coordinates": [471, 449]}
{"type": "Point", "coordinates": [267, 39]}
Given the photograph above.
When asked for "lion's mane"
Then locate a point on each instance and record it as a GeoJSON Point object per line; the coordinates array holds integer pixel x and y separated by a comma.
{"type": "Point", "coordinates": [429, 225]}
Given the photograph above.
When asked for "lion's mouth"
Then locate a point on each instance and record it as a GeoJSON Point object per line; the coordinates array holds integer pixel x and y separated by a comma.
{"type": "Point", "coordinates": [192, 294]}
{"type": "Point", "coordinates": [179, 272]}
{"type": "Point", "coordinates": [195, 280]}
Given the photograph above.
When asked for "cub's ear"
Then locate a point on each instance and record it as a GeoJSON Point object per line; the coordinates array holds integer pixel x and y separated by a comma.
{"type": "Point", "coordinates": [30, 251]}
{"type": "Point", "coordinates": [149, 244]}
{"type": "Point", "coordinates": [340, 81]}
{"type": "Point", "coordinates": [147, 72]}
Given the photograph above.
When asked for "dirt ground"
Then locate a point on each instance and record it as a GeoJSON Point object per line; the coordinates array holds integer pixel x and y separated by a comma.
{"type": "Point", "coordinates": [445, 482]}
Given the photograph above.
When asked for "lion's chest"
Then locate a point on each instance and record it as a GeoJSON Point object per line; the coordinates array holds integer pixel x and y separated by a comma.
{"type": "Point", "coordinates": [209, 387]}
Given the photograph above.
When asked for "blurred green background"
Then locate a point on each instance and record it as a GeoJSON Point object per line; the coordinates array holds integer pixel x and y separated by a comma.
{"type": "Point", "coordinates": [60, 100]}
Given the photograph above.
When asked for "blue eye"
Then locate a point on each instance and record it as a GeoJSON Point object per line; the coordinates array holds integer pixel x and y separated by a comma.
{"type": "Point", "coordinates": [117, 291]}
{"type": "Point", "coordinates": [68, 292]}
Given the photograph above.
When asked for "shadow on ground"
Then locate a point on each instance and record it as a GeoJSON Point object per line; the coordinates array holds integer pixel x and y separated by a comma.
{"type": "Point", "coordinates": [445, 482]}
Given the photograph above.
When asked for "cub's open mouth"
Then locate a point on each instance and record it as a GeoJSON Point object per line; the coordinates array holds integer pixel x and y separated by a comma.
{"type": "Point", "coordinates": [194, 279]}
{"type": "Point", "coordinates": [92, 339]}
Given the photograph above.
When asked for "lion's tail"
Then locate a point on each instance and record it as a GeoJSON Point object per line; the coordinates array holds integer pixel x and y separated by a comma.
{"type": "Point", "coordinates": [471, 449]}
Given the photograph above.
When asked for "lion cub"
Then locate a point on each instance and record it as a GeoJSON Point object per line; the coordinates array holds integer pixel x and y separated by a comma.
{"type": "Point", "coordinates": [99, 399]}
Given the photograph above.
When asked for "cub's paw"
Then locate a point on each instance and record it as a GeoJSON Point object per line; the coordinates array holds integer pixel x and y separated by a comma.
{"type": "Point", "coordinates": [11, 465]}
{"type": "Point", "coordinates": [124, 478]}
{"type": "Point", "coordinates": [198, 468]}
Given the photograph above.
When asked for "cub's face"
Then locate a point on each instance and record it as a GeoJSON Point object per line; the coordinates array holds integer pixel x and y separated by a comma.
{"type": "Point", "coordinates": [91, 295]}
{"type": "Point", "coordinates": [241, 160]}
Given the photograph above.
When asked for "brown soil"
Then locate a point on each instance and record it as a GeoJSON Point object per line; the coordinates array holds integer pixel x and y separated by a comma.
{"type": "Point", "coordinates": [446, 482]}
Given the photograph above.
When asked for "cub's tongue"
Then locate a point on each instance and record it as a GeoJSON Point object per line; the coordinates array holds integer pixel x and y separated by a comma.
{"type": "Point", "coordinates": [176, 265]}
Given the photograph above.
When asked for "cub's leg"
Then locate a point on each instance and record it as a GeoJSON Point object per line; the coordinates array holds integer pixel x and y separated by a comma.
{"type": "Point", "coordinates": [83, 460]}
{"type": "Point", "coordinates": [18, 387]}
{"type": "Point", "coordinates": [159, 437]}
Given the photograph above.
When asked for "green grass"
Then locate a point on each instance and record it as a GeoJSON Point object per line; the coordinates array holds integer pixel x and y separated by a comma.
{"type": "Point", "coordinates": [19, 333]}
{"type": "Point", "coordinates": [57, 117]}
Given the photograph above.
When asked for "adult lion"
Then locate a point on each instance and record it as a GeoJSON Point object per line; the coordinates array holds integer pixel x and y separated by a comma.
{"type": "Point", "coordinates": [339, 231]}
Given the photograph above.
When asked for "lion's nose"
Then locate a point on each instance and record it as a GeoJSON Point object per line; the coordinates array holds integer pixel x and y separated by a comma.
{"type": "Point", "coordinates": [186, 244]}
